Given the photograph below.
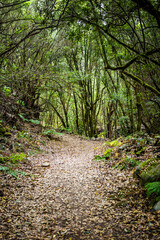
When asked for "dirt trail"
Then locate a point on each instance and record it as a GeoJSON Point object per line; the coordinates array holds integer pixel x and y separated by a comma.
{"type": "Point", "coordinates": [75, 198]}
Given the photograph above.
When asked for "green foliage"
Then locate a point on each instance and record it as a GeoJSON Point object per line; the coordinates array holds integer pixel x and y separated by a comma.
{"type": "Point", "coordinates": [7, 91]}
{"type": "Point", "coordinates": [3, 159]}
{"type": "Point", "coordinates": [33, 152]}
{"type": "Point", "coordinates": [18, 157]}
{"type": "Point", "coordinates": [102, 134]}
{"type": "Point", "coordinates": [34, 121]}
{"type": "Point", "coordinates": [3, 168]}
{"type": "Point", "coordinates": [29, 120]}
{"type": "Point", "coordinates": [105, 156]}
{"type": "Point", "coordinates": [51, 132]}
{"type": "Point", "coordinates": [148, 171]}
{"type": "Point", "coordinates": [113, 143]}
{"type": "Point", "coordinates": [99, 158]}
{"type": "Point", "coordinates": [153, 188]}
{"type": "Point", "coordinates": [141, 141]}
{"type": "Point", "coordinates": [126, 163]}
{"type": "Point", "coordinates": [23, 118]}
{"type": "Point", "coordinates": [67, 79]}
{"type": "Point", "coordinates": [4, 131]}
{"type": "Point", "coordinates": [107, 153]}
{"type": "Point", "coordinates": [142, 150]}
{"type": "Point", "coordinates": [24, 134]}
{"type": "Point", "coordinates": [23, 104]}
{"type": "Point", "coordinates": [124, 125]}
{"type": "Point", "coordinates": [12, 172]}
{"type": "Point", "coordinates": [43, 142]}
{"type": "Point", "coordinates": [69, 130]}
{"type": "Point", "coordinates": [149, 163]}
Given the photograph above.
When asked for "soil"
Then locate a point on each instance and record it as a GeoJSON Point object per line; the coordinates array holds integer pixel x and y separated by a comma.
{"type": "Point", "coordinates": [69, 195]}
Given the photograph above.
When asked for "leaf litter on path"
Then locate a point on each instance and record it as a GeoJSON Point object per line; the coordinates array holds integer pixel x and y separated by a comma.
{"type": "Point", "coordinates": [75, 197]}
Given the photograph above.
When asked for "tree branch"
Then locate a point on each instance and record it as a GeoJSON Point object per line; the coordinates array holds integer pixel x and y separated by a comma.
{"type": "Point", "coordinates": [147, 6]}
{"type": "Point", "coordinates": [142, 83]}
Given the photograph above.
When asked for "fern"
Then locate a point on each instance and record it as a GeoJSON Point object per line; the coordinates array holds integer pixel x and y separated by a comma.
{"type": "Point", "coordinates": [35, 121]}
{"type": "Point", "coordinates": [12, 172]}
{"type": "Point", "coordinates": [23, 118]}
{"type": "Point", "coordinates": [29, 120]}
{"type": "Point", "coordinates": [153, 188]}
{"type": "Point", "coordinates": [3, 168]}
{"type": "Point", "coordinates": [51, 132]}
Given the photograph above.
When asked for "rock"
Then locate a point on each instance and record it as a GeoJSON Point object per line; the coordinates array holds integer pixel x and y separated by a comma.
{"type": "Point", "coordinates": [151, 175]}
{"type": "Point", "coordinates": [148, 171]}
{"type": "Point", "coordinates": [157, 206]}
{"type": "Point", "coordinates": [45, 164]}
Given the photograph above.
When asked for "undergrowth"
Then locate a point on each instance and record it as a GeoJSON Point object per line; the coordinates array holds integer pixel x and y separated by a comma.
{"type": "Point", "coordinates": [9, 170]}
{"type": "Point", "coordinates": [153, 188]}
{"type": "Point", "coordinates": [127, 163]}
{"type": "Point", "coordinates": [131, 153]}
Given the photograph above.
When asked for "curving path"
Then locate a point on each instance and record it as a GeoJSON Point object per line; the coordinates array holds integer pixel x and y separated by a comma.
{"type": "Point", "coordinates": [77, 198]}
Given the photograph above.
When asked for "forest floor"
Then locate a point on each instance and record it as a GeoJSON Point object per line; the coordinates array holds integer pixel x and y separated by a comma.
{"type": "Point", "coordinates": [69, 195]}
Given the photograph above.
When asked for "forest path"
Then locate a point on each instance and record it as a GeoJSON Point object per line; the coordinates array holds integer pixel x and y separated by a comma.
{"type": "Point", "coordinates": [76, 197]}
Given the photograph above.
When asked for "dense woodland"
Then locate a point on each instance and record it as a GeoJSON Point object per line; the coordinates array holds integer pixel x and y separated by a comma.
{"type": "Point", "coordinates": [79, 119]}
{"type": "Point", "coordinates": [86, 66]}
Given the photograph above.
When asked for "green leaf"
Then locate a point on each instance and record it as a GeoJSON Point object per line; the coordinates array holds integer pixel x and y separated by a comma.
{"type": "Point", "coordinates": [34, 121]}
{"type": "Point", "coordinates": [12, 172]}
{"type": "Point", "coordinates": [6, 91]}
{"type": "Point", "coordinates": [3, 168]}
{"type": "Point", "coordinates": [153, 188]}
{"type": "Point", "coordinates": [113, 143]}
{"type": "Point", "coordinates": [99, 158]}
{"type": "Point", "coordinates": [107, 153]}
{"type": "Point", "coordinates": [23, 118]}
{"type": "Point", "coordinates": [18, 157]}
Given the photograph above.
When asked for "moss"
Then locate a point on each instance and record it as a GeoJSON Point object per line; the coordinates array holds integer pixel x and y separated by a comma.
{"type": "Point", "coordinates": [148, 171]}
{"type": "Point", "coordinates": [151, 174]}
{"type": "Point", "coordinates": [149, 163]}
